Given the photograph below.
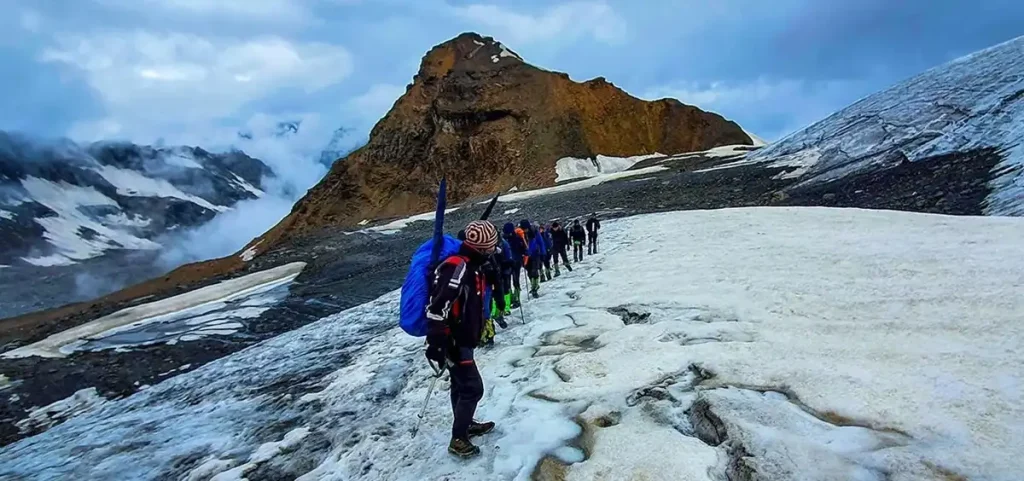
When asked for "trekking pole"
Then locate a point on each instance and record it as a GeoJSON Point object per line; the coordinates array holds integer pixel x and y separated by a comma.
{"type": "Point", "coordinates": [438, 371]}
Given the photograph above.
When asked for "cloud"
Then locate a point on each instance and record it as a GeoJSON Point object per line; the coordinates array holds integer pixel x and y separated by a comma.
{"type": "Point", "coordinates": [144, 79]}
{"type": "Point", "coordinates": [375, 102]}
{"type": "Point", "coordinates": [270, 11]}
{"type": "Point", "coordinates": [567, 21]}
{"type": "Point", "coordinates": [771, 108]}
{"type": "Point", "coordinates": [31, 21]}
{"type": "Point", "coordinates": [294, 158]}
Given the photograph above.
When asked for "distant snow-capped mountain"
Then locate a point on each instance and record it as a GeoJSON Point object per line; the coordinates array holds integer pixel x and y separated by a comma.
{"type": "Point", "coordinates": [970, 108]}
{"type": "Point", "coordinates": [61, 203]}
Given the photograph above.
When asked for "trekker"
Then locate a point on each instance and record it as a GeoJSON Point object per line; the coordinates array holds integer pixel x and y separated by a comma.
{"type": "Point", "coordinates": [507, 262]}
{"type": "Point", "coordinates": [592, 227]}
{"type": "Point", "coordinates": [545, 234]}
{"type": "Point", "coordinates": [494, 297]}
{"type": "Point", "coordinates": [534, 257]}
{"type": "Point", "coordinates": [579, 237]}
{"type": "Point", "coordinates": [517, 243]}
{"type": "Point", "coordinates": [559, 244]}
{"type": "Point", "coordinates": [454, 322]}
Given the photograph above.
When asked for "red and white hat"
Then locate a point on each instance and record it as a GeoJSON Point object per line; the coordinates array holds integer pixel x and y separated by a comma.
{"type": "Point", "coordinates": [481, 236]}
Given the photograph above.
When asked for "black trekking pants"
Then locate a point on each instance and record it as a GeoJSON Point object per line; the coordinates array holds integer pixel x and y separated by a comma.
{"type": "Point", "coordinates": [506, 280]}
{"type": "Point", "coordinates": [467, 390]}
{"type": "Point", "coordinates": [577, 251]}
{"type": "Point", "coordinates": [533, 267]}
{"type": "Point", "coordinates": [560, 251]}
{"type": "Point", "coordinates": [592, 246]}
{"type": "Point", "coordinates": [517, 270]}
{"type": "Point", "coordinates": [547, 260]}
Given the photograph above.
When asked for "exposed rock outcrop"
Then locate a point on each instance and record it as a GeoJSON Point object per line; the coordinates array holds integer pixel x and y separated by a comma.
{"type": "Point", "coordinates": [479, 114]}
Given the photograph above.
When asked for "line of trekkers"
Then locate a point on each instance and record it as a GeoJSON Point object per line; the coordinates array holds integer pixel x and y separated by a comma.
{"type": "Point", "coordinates": [533, 248]}
{"type": "Point", "coordinates": [477, 287]}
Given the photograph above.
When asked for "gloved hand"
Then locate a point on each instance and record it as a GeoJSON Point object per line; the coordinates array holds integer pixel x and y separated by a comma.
{"type": "Point", "coordinates": [437, 341]}
{"type": "Point", "coordinates": [500, 320]}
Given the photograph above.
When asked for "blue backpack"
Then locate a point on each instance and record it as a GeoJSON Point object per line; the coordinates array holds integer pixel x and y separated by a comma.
{"type": "Point", "coordinates": [416, 288]}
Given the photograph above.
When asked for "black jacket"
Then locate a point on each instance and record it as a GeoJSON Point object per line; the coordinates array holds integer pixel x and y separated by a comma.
{"type": "Point", "coordinates": [457, 296]}
{"type": "Point", "coordinates": [593, 225]}
{"type": "Point", "coordinates": [578, 234]}
{"type": "Point", "coordinates": [560, 238]}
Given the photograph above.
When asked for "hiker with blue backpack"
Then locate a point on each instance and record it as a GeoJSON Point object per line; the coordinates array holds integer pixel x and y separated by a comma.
{"type": "Point", "coordinates": [455, 316]}
{"type": "Point", "coordinates": [535, 255]}
{"type": "Point", "coordinates": [549, 248]}
{"type": "Point", "coordinates": [519, 249]}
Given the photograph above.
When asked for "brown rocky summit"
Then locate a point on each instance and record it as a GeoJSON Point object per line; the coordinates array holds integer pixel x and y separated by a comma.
{"type": "Point", "coordinates": [477, 113]}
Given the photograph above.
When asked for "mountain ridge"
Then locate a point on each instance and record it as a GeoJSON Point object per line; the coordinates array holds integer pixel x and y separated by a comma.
{"type": "Point", "coordinates": [477, 113]}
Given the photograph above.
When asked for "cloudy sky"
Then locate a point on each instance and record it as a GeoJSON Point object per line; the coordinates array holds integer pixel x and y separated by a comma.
{"type": "Point", "coordinates": [198, 71]}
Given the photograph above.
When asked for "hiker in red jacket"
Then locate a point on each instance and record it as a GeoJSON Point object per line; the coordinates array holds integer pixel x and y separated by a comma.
{"type": "Point", "coordinates": [455, 316]}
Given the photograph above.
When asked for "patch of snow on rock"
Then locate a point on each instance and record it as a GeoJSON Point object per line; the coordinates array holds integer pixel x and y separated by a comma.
{"type": "Point", "coordinates": [250, 253]}
{"type": "Point", "coordinates": [65, 230]}
{"type": "Point", "coordinates": [133, 184]}
{"type": "Point", "coordinates": [80, 402]}
{"type": "Point", "coordinates": [578, 185]}
{"type": "Point", "coordinates": [396, 225]}
{"type": "Point", "coordinates": [247, 186]}
{"type": "Point", "coordinates": [569, 168]}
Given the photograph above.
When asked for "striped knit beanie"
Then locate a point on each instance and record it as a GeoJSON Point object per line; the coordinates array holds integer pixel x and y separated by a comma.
{"type": "Point", "coordinates": [481, 236]}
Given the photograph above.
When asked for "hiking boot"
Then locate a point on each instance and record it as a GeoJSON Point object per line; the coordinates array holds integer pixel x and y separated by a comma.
{"type": "Point", "coordinates": [568, 267]}
{"type": "Point", "coordinates": [548, 273]}
{"type": "Point", "coordinates": [515, 305]}
{"type": "Point", "coordinates": [462, 448]}
{"type": "Point", "coordinates": [534, 294]}
{"type": "Point", "coordinates": [557, 272]}
{"type": "Point", "coordinates": [479, 429]}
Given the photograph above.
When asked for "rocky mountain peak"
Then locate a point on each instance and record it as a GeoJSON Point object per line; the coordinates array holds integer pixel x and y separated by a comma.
{"type": "Point", "coordinates": [477, 113]}
{"type": "Point", "coordinates": [469, 52]}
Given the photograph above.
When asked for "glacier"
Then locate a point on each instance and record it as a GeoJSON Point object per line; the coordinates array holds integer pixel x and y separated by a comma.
{"type": "Point", "coordinates": [797, 343]}
{"type": "Point", "coordinates": [974, 102]}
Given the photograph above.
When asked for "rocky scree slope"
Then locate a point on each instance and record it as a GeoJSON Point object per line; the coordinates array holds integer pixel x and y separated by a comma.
{"type": "Point", "coordinates": [479, 114]}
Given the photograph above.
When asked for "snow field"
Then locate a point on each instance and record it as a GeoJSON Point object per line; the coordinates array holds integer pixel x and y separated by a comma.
{"type": "Point", "coordinates": [132, 183]}
{"type": "Point", "coordinates": [797, 343]}
{"type": "Point", "coordinates": [569, 168]}
{"type": "Point", "coordinates": [578, 185]}
{"type": "Point", "coordinates": [970, 103]}
{"type": "Point", "coordinates": [396, 225]}
{"type": "Point", "coordinates": [189, 306]}
{"type": "Point", "coordinates": [63, 231]}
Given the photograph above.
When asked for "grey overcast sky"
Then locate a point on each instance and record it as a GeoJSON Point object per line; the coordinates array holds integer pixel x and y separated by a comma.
{"type": "Point", "coordinates": [198, 71]}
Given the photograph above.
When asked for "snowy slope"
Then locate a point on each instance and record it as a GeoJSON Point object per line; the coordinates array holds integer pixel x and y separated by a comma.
{"type": "Point", "coordinates": [569, 168]}
{"type": "Point", "coordinates": [971, 103]}
{"type": "Point", "coordinates": [61, 203]}
{"type": "Point", "coordinates": [797, 343]}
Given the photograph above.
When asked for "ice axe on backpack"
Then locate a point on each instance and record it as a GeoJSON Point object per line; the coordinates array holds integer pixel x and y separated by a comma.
{"type": "Point", "coordinates": [490, 207]}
